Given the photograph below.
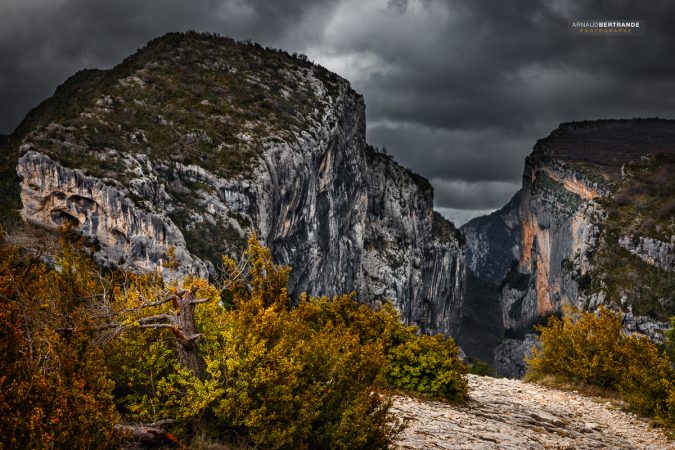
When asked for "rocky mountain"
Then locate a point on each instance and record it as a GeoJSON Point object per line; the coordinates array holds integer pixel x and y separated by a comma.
{"type": "Point", "coordinates": [193, 142]}
{"type": "Point", "coordinates": [595, 225]}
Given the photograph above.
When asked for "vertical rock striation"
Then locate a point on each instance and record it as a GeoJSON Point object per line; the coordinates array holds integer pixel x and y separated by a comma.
{"type": "Point", "coordinates": [492, 247]}
{"type": "Point", "coordinates": [559, 230]}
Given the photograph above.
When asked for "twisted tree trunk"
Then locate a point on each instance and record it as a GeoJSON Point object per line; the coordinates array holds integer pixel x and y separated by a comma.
{"type": "Point", "coordinates": [186, 334]}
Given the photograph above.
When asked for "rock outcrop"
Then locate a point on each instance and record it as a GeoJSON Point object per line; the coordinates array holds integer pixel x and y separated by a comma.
{"type": "Point", "coordinates": [510, 354]}
{"type": "Point", "coordinates": [568, 244]}
{"type": "Point", "coordinates": [559, 226]}
{"type": "Point", "coordinates": [129, 237]}
{"type": "Point", "coordinates": [196, 141]}
{"type": "Point", "coordinates": [493, 242]}
{"type": "Point", "coordinates": [652, 251]}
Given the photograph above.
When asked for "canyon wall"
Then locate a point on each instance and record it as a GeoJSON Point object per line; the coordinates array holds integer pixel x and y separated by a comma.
{"type": "Point", "coordinates": [568, 243]}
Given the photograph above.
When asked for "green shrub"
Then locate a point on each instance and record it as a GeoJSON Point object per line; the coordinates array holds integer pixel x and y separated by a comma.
{"type": "Point", "coordinates": [272, 377]}
{"type": "Point", "coordinates": [670, 341]}
{"type": "Point", "coordinates": [428, 365]}
{"type": "Point", "coordinates": [591, 348]}
{"type": "Point", "coordinates": [286, 385]}
{"type": "Point", "coordinates": [331, 359]}
{"type": "Point", "coordinates": [479, 367]}
{"type": "Point", "coordinates": [424, 364]}
{"type": "Point", "coordinates": [647, 382]}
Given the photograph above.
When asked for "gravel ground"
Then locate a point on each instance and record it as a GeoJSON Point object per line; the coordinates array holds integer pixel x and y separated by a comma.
{"type": "Point", "coordinates": [511, 414]}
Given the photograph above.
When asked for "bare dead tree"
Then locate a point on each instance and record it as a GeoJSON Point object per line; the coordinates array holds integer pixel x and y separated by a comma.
{"type": "Point", "coordinates": [227, 278]}
{"type": "Point", "coordinates": [179, 319]}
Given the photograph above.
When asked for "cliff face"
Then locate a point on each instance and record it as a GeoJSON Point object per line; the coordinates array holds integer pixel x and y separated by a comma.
{"type": "Point", "coordinates": [494, 241]}
{"type": "Point", "coordinates": [492, 247]}
{"type": "Point", "coordinates": [559, 228]}
{"type": "Point", "coordinates": [595, 228]}
{"type": "Point", "coordinates": [196, 141]}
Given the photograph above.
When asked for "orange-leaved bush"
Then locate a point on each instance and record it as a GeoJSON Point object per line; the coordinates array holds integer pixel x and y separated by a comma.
{"type": "Point", "coordinates": [55, 391]}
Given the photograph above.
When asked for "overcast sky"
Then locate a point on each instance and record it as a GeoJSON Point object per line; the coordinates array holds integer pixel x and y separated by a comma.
{"type": "Point", "coordinates": [457, 90]}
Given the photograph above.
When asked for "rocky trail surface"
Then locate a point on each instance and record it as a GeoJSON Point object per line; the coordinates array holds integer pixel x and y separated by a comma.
{"type": "Point", "coordinates": [511, 414]}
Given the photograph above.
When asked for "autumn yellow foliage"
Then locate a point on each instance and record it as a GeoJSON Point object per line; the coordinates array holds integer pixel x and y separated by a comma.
{"type": "Point", "coordinates": [104, 348]}
{"type": "Point", "coordinates": [84, 348]}
{"type": "Point", "coordinates": [591, 348]}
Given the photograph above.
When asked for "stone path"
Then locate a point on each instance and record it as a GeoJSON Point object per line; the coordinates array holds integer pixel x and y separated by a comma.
{"type": "Point", "coordinates": [511, 414]}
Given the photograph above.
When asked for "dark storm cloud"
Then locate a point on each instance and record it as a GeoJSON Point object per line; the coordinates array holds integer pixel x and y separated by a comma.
{"type": "Point", "coordinates": [487, 155]}
{"type": "Point", "coordinates": [463, 94]}
{"type": "Point", "coordinates": [484, 195]}
{"type": "Point", "coordinates": [500, 62]}
{"type": "Point", "coordinates": [42, 42]}
{"type": "Point", "coordinates": [458, 90]}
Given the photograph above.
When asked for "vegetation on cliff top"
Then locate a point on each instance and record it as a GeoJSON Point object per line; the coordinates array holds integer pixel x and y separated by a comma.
{"type": "Point", "coordinates": [642, 205]}
{"type": "Point", "coordinates": [603, 146]}
{"type": "Point", "coordinates": [444, 230]}
{"type": "Point", "coordinates": [633, 160]}
{"type": "Point", "coordinates": [87, 354]}
{"type": "Point", "coordinates": [185, 98]}
{"type": "Point", "coordinates": [188, 98]}
{"type": "Point", "coordinates": [628, 281]}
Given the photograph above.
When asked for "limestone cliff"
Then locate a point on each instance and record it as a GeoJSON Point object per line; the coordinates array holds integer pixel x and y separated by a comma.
{"type": "Point", "coordinates": [595, 226]}
{"type": "Point", "coordinates": [130, 237]}
{"type": "Point", "coordinates": [196, 140]}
